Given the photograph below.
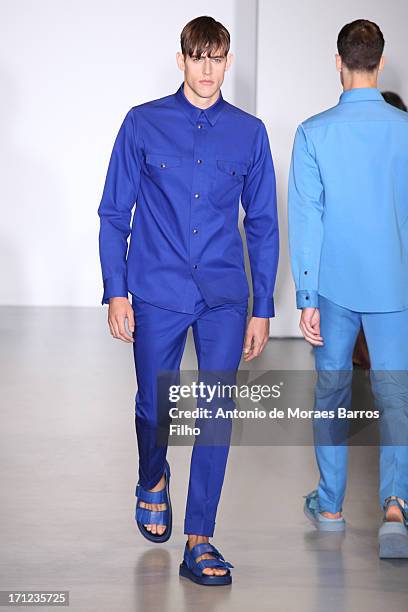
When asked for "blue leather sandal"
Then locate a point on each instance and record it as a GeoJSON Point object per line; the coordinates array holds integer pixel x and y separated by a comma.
{"type": "Point", "coordinates": [189, 568]}
{"type": "Point", "coordinates": [392, 535]}
{"type": "Point", "coordinates": [144, 516]}
{"type": "Point", "coordinates": [321, 522]}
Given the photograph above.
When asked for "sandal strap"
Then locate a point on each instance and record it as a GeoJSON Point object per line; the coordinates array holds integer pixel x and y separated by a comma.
{"type": "Point", "coordinates": [204, 563]}
{"type": "Point", "coordinates": [312, 500]}
{"type": "Point", "coordinates": [151, 497]}
{"type": "Point", "coordinates": [203, 548]}
{"type": "Point", "coordinates": [151, 517]}
{"type": "Point", "coordinates": [191, 556]}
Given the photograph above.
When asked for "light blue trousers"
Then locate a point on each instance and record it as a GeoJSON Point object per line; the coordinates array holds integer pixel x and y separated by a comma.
{"type": "Point", "coordinates": [387, 340]}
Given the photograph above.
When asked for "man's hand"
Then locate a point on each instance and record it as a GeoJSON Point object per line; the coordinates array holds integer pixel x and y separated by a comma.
{"type": "Point", "coordinates": [310, 326]}
{"type": "Point", "coordinates": [257, 335]}
{"type": "Point", "coordinates": [121, 309]}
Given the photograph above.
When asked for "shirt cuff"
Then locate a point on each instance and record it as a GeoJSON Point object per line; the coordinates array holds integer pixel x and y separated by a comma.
{"type": "Point", "coordinates": [263, 307]}
{"type": "Point", "coordinates": [114, 286]}
{"type": "Point", "coordinates": [306, 298]}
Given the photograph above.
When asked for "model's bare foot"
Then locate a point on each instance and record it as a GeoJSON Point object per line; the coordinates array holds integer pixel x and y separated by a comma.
{"type": "Point", "coordinates": [330, 515]}
{"type": "Point", "coordinates": [156, 529]}
{"type": "Point", "coordinates": [210, 571]}
{"type": "Point", "coordinates": [393, 513]}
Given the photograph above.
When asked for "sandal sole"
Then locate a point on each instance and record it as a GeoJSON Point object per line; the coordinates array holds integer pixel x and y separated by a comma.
{"type": "Point", "coordinates": [204, 580]}
{"type": "Point", "coordinates": [324, 525]}
{"type": "Point", "coordinates": [393, 541]}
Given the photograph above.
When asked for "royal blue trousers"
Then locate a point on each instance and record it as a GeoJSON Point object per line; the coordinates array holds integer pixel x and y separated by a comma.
{"type": "Point", "coordinates": [159, 340]}
{"type": "Point", "coordinates": [387, 340]}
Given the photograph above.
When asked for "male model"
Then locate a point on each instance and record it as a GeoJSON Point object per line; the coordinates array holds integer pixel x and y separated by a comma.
{"type": "Point", "coordinates": [185, 160]}
{"type": "Point", "coordinates": [348, 232]}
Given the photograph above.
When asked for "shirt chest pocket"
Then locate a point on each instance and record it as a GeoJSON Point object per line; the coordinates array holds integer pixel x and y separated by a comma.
{"type": "Point", "coordinates": [231, 171]}
{"type": "Point", "coordinates": [158, 162]}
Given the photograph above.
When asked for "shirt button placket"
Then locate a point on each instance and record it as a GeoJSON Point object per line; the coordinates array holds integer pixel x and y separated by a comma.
{"type": "Point", "coordinates": [198, 190]}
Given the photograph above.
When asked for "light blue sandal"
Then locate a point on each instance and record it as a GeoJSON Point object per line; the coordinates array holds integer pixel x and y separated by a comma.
{"type": "Point", "coordinates": [392, 535]}
{"type": "Point", "coordinates": [144, 516]}
{"type": "Point", "coordinates": [192, 570]}
{"type": "Point", "coordinates": [322, 523]}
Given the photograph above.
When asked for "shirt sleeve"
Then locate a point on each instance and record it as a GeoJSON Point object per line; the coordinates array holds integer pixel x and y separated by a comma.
{"type": "Point", "coordinates": [305, 210]}
{"type": "Point", "coordinates": [261, 225]}
{"type": "Point", "coordinates": [115, 209]}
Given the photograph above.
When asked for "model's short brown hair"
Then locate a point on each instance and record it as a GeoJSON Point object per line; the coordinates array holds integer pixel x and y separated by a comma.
{"type": "Point", "coordinates": [204, 35]}
{"type": "Point", "coordinates": [360, 45]}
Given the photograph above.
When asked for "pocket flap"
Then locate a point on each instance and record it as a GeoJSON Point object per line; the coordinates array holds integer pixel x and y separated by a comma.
{"type": "Point", "coordinates": [162, 160]}
{"type": "Point", "coordinates": [233, 168]}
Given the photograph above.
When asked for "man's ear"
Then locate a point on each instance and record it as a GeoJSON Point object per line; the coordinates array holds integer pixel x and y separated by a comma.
{"type": "Point", "coordinates": [230, 59]}
{"type": "Point", "coordinates": [180, 61]}
{"type": "Point", "coordinates": [381, 64]}
{"type": "Point", "coordinates": [339, 63]}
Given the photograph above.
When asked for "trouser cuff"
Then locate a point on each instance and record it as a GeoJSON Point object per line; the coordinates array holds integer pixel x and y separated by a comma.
{"type": "Point", "coordinates": [199, 526]}
{"type": "Point", "coordinates": [327, 505]}
{"type": "Point", "coordinates": [151, 482]}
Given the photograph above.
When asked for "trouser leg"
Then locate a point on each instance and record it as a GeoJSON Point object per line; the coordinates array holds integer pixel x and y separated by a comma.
{"type": "Point", "coordinates": [219, 336]}
{"type": "Point", "coordinates": [160, 337]}
{"type": "Point", "coordinates": [387, 339]}
{"type": "Point", "coordinates": [339, 328]}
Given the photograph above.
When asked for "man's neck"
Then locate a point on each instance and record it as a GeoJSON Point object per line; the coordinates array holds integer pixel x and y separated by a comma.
{"type": "Point", "coordinates": [197, 100]}
{"type": "Point", "coordinates": [357, 80]}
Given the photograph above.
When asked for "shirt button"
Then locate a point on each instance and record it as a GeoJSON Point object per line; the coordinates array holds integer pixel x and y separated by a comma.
{"type": "Point", "coordinates": [199, 161]}
{"type": "Point", "coordinates": [305, 271]}
{"type": "Point", "coordinates": [233, 172]}
{"type": "Point", "coordinates": [162, 165]}
{"type": "Point", "coordinates": [307, 297]}
{"type": "Point", "coordinates": [195, 266]}
{"type": "Point", "coordinates": [196, 195]}
{"type": "Point", "coordinates": [199, 126]}
{"type": "Point", "coordinates": [195, 231]}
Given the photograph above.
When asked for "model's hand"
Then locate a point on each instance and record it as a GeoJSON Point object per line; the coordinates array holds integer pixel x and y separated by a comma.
{"type": "Point", "coordinates": [257, 335]}
{"type": "Point", "coordinates": [121, 309]}
{"type": "Point", "coordinates": [310, 326]}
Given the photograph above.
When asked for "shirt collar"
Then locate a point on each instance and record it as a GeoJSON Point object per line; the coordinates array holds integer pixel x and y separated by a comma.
{"type": "Point", "coordinates": [193, 112]}
{"type": "Point", "coordinates": [361, 93]}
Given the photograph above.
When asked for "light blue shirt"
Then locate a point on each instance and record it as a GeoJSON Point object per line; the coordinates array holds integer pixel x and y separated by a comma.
{"type": "Point", "coordinates": [348, 205]}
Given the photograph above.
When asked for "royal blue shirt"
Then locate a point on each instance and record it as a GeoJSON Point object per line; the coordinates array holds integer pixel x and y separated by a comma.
{"type": "Point", "coordinates": [348, 205]}
{"type": "Point", "coordinates": [185, 170]}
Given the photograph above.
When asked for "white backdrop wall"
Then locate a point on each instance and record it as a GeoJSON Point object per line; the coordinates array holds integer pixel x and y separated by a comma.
{"type": "Point", "coordinates": [71, 70]}
{"type": "Point", "coordinates": [296, 78]}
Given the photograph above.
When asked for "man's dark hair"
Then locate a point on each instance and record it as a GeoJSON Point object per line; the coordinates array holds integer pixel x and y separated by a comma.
{"type": "Point", "coordinates": [360, 45]}
{"type": "Point", "coordinates": [393, 98]}
{"type": "Point", "coordinates": [204, 35]}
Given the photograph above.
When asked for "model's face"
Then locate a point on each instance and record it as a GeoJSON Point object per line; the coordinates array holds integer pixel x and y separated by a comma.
{"type": "Point", "coordinates": [204, 75]}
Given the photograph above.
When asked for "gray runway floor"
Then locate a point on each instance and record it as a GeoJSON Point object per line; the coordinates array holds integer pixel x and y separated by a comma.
{"type": "Point", "coordinates": [68, 471]}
